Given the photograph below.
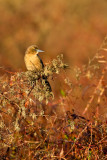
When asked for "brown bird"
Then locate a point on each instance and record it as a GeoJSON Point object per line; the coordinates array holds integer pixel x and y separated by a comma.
{"type": "Point", "coordinates": [34, 63]}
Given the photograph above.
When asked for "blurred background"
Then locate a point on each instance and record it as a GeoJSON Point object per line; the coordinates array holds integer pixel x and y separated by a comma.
{"type": "Point", "coordinates": [72, 27]}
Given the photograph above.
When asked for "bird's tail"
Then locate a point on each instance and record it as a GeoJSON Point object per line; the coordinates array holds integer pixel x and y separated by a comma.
{"type": "Point", "coordinates": [47, 84]}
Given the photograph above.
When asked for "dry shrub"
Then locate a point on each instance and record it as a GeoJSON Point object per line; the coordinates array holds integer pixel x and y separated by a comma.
{"type": "Point", "coordinates": [35, 126]}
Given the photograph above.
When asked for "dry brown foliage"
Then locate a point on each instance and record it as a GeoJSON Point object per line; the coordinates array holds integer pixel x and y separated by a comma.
{"type": "Point", "coordinates": [35, 126]}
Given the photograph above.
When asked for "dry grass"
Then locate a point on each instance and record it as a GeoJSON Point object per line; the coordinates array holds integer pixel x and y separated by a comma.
{"type": "Point", "coordinates": [35, 126]}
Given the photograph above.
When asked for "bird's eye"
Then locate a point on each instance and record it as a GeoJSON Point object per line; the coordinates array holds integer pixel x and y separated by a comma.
{"type": "Point", "coordinates": [33, 50]}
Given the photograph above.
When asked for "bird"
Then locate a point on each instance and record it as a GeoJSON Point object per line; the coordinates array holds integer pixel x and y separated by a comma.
{"type": "Point", "coordinates": [34, 63]}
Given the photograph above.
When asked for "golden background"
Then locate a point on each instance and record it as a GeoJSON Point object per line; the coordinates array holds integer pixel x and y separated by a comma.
{"type": "Point", "coordinates": [74, 28]}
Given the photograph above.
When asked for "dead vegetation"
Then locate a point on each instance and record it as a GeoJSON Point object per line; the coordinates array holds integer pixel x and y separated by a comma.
{"type": "Point", "coordinates": [35, 126]}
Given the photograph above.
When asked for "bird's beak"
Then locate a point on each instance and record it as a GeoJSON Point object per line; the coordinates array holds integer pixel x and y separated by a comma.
{"type": "Point", "coordinates": [38, 50]}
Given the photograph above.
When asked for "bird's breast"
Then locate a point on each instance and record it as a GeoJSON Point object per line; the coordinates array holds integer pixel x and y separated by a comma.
{"type": "Point", "coordinates": [33, 62]}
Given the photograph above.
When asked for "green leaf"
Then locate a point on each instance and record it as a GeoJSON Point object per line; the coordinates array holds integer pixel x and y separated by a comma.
{"type": "Point", "coordinates": [62, 93]}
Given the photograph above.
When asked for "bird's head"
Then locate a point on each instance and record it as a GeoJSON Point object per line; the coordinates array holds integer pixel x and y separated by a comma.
{"type": "Point", "coordinates": [33, 49]}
